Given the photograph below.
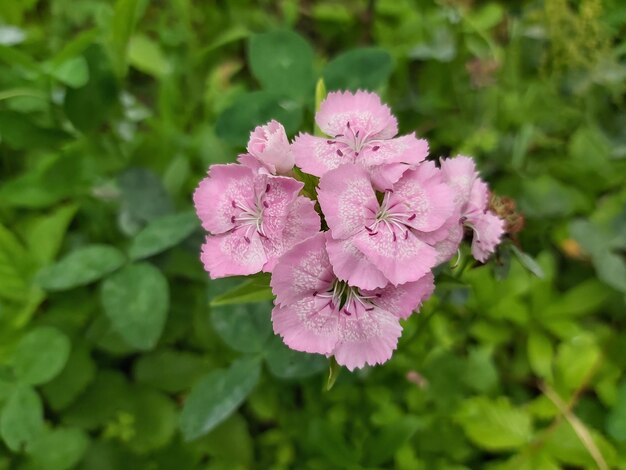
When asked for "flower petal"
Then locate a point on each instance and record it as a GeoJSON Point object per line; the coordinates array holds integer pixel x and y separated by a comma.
{"type": "Point", "coordinates": [425, 194]}
{"type": "Point", "coordinates": [401, 259]}
{"type": "Point", "coordinates": [488, 229]}
{"type": "Point", "coordinates": [214, 195]}
{"type": "Point", "coordinates": [404, 299]}
{"type": "Point", "coordinates": [347, 199]}
{"type": "Point", "coordinates": [231, 254]}
{"type": "Point", "coordinates": [307, 325]}
{"type": "Point", "coordinates": [316, 156]}
{"type": "Point", "coordinates": [369, 337]}
{"type": "Point", "coordinates": [363, 110]}
{"type": "Point", "coordinates": [460, 173]}
{"type": "Point", "coordinates": [301, 271]}
{"type": "Point", "coordinates": [301, 223]}
{"type": "Point", "coordinates": [350, 265]}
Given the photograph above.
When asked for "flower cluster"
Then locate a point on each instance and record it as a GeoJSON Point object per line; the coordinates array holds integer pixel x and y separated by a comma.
{"type": "Point", "coordinates": [392, 216]}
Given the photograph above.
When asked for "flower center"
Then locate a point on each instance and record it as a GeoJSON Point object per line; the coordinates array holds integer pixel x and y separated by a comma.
{"type": "Point", "coordinates": [249, 217]}
{"type": "Point", "coordinates": [346, 299]}
{"type": "Point", "coordinates": [393, 216]}
{"type": "Point", "coordinates": [352, 141]}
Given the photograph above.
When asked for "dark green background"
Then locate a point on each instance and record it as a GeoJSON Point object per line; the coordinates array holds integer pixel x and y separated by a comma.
{"type": "Point", "coordinates": [117, 352]}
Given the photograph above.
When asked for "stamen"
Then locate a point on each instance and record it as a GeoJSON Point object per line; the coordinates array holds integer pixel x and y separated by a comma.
{"type": "Point", "coordinates": [267, 188]}
{"type": "Point", "coordinates": [346, 312]}
{"type": "Point", "coordinates": [406, 235]}
{"type": "Point", "coordinates": [369, 229]}
{"type": "Point", "coordinates": [315, 294]}
{"type": "Point", "coordinates": [348, 124]}
{"type": "Point", "coordinates": [232, 219]}
{"type": "Point", "coordinates": [234, 204]}
{"type": "Point", "coordinates": [375, 148]}
{"type": "Point", "coordinates": [357, 133]}
{"type": "Point", "coordinates": [373, 233]}
{"type": "Point", "coordinates": [412, 217]}
{"type": "Point", "coordinates": [338, 135]}
{"type": "Point", "coordinates": [330, 142]}
{"type": "Point", "coordinates": [246, 239]}
{"type": "Point", "coordinates": [340, 153]}
{"type": "Point", "coordinates": [265, 204]}
{"type": "Point", "coordinates": [394, 236]}
{"type": "Point", "coordinates": [369, 309]}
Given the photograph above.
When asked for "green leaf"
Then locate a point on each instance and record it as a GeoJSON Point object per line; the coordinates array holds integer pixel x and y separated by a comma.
{"type": "Point", "coordinates": [381, 447]}
{"type": "Point", "coordinates": [41, 355]}
{"type": "Point", "coordinates": [143, 195]}
{"type": "Point", "coordinates": [136, 300]}
{"type": "Point", "coordinates": [616, 420]}
{"type": "Point", "coordinates": [106, 395]}
{"type": "Point", "coordinates": [14, 267]}
{"type": "Point", "coordinates": [146, 55]}
{"type": "Point", "coordinates": [79, 372]}
{"type": "Point", "coordinates": [81, 267]}
{"type": "Point", "coordinates": [334, 369]}
{"type": "Point", "coordinates": [286, 363]}
{"type": "Point", "coordinates": [215, 397]}
{"type": "Point", "coordinates": [73, 72]}
{"type": "Point", "coordinates": [576, 359]}
{"type": "Point", "coordinates": [22, 418]}
{"type": "Point", "coordinates": [154, 420]}
{"type": "Point", "coordinates": [163, 233]}
{"type": "Point", "coordinates": [169, 370]}
{"type": "Point", "coordinates": [20, 132]}
{"type": "Point", "coordinates": [59, 448]}
{"type": "Point", "coordinates": [89, 106]}
{"type": "Point", "coordinates": [125, 16]}
{"type": "Point", "coordinates": [256, 289]}
{"type": "Point", "coordinates": [46, 233]}
{"type": "Point", "coordinates": [282, 61]}
{"type": "Point", "coordinates": [365, 68]}
{"type": "Point", "coordinates": [584, 298]}
{"type": "Point", "coordinates": [252, 109]}
{"type": "Point", "coordinates": [540, 354]}
{"type": "Point", "coordinates": [528, 262]}
{"type": "Point", "coordinates": [495, 425]}
{"type": "Point", "coordinates": [244, 328]}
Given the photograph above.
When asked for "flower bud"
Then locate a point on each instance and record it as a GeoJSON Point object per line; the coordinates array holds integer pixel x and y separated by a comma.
{"type": "Point", "coordinates": [270, 146]}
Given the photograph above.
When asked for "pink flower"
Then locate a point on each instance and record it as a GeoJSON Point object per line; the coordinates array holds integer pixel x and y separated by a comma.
{"type": "Point", "coordinates": [472, 210]}
{"type": "Point", "coordinates": [360, 130]}
{"type": "Point", "coordinates": [317, 313]}
{"type": "Point", "coordinates": [374, 242]}
{"type": "Point", "coordinates": [269, 149]}
{"type": "Point", "coordinates": [252, 219]}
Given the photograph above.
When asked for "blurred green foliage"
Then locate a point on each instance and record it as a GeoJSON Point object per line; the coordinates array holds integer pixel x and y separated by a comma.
{"type": "Point", "coordinates": [117, 352]}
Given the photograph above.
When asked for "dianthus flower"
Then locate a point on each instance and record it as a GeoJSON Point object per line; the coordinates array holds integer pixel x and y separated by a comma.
{"type": "Point", "coordinates": [389, 238]}
{"type": "Point", "coordinates": [316, 312]}
{"type": "Point", "coordinates": [269, 149]}
{"type": "Point", "coordinates": [252, 218]}
{"type": "Point", "coordinates": [360, 129]}
{"type": "Point", "coordinates": [471, 199]}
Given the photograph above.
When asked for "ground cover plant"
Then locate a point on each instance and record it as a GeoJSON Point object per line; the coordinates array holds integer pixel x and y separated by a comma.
{"type": "Point", "coordinates": [117, 350]}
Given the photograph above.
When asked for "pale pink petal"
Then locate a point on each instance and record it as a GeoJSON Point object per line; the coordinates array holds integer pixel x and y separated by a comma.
{"type": "Point", "coordinates": [302, 270]}
{"type": "Point", "coordinates": [307, 325]}
{"type": "Point", "coordinates": [460, 173]}
{"type": "Point", "coordinates": [253, 163]}
{"type": "Point", "coordinates": [449, 246]}
{"type": "Point", "coordinates": [301, 223]}
{"type": "Point", "coordinates": [214, 195]}
{"type": "Point", "coordinates": [317, 155]}
{"type": "Point", "coordinates": [404, 299]}
{"type": "Point", "coordinates": [350, 265]}
{"type": "Point", "coordinates": [269, 144]}
{"type": "Point", "coordinates": [367, 337]}
{"type": "Point", "coordinates": [279, 192]}
{"type": "Point", "coordinates": [479, 197]}
{"type": "Point", "coordinates": [488, 230]}
{"type": "Point", "coordinates": [400, 259]}
{"type": "Point", "coordinates": [426, 196]}
{"type": "Point", "coordinates": [363, 110]}
{"type": "Point", "coordinates": [231, 254]}
{"type": "Point", "coordinates": [347, 199]}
